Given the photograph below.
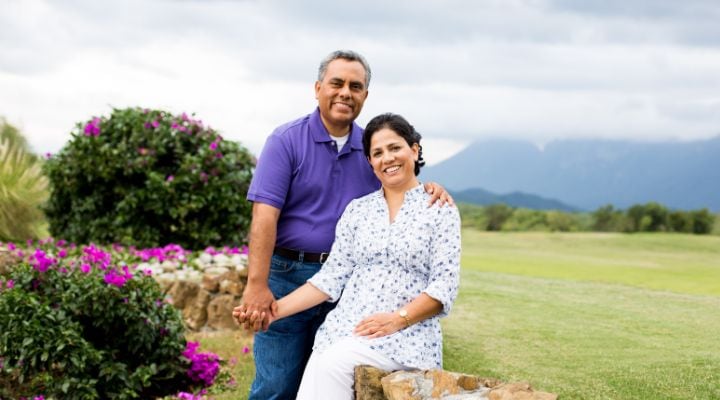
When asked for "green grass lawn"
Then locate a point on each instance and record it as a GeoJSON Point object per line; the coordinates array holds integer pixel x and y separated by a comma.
{"type": "Point", "coordinates": [587, 315]}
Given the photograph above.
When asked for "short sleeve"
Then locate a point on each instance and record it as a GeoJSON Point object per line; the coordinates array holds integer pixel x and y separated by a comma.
{"type": "Point", "coordinates": [273, 173]}
{"type": "Point", "coordinates": [338, 268]}
{"type": "Point", "coordinates": [445, 259]}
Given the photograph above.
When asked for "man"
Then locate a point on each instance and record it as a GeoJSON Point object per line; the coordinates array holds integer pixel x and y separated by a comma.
{"type": "Point", "coordinates": [308, 171]}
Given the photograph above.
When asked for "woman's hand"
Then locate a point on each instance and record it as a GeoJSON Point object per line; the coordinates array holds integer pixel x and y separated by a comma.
{"type": "Point", "coordinates": [379, 325]}
{"type": "Point", "coordinates": [255, 321]}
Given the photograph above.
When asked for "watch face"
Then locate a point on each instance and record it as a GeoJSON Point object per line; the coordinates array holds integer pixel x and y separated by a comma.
{"type": "Point", "coordinates": [403, 313]}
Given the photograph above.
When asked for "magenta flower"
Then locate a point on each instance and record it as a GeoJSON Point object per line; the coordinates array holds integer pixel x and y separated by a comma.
{"type": "Point", "coordinates": [155, 124]}
{"type": "Point", "coordinates": [11, 246]}
{"type": "Point", "coordinates": [62, 253]}
{"type": "Point", "coordinates": [184, 117]}
{"type": "Point", "coordinates": [218, 155]}
{"type": "Point", "coordinates": [93, 127]}
{"type": "Point", "coordinates": [245, 350]}
{"type": "Point", "coordinates": [85, 268]}
{"type": "Point", "coordinates": [48, 156]}
{"type": "Point", "coordinates": [115, 279]}
{"type": "Point", "coordinates": [41, 262]}
{"type": "Point", "coordinates": [170, 178]}
{"type": "Point", "coordinates": [213, 146]}
{"type": "Point", "coordinates": [204, 367]}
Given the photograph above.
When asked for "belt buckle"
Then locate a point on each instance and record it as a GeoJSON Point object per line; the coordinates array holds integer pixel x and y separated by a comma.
{"type": "Point", "coordinates": [323, 257]}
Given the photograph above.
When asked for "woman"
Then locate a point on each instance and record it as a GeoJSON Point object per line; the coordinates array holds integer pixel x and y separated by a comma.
{"type": "Point", "coordinates": [396, 263]}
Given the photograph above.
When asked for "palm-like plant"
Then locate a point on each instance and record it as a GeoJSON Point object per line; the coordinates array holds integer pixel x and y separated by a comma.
{"type": "Point", "coordinates": [23, 187]}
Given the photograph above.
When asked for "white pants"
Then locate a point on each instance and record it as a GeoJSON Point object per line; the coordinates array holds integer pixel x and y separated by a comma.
{"type": "Point", "coordinates": [330, 374]}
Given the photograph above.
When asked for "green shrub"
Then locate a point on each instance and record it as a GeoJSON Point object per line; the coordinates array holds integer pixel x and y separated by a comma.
{"type": "Point", "coordinates": [147, 177]}
{"type": "Point", "coordinates": [84, 327]}
{"type": "Point", "coordinates": [524, 219]}
{"type": "Point", "coordinates": [23, 187]}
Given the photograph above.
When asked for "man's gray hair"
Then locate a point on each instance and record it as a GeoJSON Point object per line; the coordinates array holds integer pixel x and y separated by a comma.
{"type": "Point", "coordinates": [348, 55]}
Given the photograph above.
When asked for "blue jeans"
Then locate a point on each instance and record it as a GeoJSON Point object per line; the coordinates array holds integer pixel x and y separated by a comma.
{"type": "Point", "coordinates": [282, 352]}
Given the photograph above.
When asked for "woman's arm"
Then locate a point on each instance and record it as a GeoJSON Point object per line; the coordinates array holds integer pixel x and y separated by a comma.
{"type": "Point", "coordinates": [300, 299]}
{"type": "Point", "coordinates": [383, 324]}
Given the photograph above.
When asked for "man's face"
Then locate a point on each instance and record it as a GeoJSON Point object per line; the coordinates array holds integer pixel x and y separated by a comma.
{"type": "Point", "coordinates": [341, 94]}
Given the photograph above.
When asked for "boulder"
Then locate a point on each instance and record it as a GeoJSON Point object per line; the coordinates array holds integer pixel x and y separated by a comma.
{"type": "Point", "coordinates": [195, 314]}
{"type": "Point", "coordinates": [220, 312]}
{"type": "Point", "coordinates": [182, 292]}
{"type": "Point", "coordinates": [367, 383]}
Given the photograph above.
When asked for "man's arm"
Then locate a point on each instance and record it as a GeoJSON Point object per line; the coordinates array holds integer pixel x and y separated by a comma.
{"type": "Point", "coordinates": [263, 232]}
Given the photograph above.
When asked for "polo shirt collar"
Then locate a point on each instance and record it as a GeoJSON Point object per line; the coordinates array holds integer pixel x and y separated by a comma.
{"type": "Point", "coordinates": [321, 135]}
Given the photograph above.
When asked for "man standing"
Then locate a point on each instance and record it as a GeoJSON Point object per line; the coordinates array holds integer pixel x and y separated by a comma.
{"type": "Point", "coordinates": [308, 171]}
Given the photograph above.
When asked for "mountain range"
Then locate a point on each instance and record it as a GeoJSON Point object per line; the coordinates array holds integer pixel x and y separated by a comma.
{"type": "Point", "coordinates": [589, 173]}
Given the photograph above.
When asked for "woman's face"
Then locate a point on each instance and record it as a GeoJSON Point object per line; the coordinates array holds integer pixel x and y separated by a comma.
{"type": "Point", "coordinates": [393, 160]}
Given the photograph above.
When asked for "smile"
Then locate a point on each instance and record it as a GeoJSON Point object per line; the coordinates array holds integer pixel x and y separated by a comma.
{"type": "Point", "coordinates": [390, 170]}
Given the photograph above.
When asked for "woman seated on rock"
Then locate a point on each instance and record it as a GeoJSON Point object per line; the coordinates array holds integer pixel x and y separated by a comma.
{"type": "Point", "coordinates": [396, 263]}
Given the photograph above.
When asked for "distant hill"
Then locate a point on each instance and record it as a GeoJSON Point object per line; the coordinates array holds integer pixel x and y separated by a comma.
{"type": "Point", "coordinates": [590, 173]}
{"type": "Point", "coordinates": [516, 199]}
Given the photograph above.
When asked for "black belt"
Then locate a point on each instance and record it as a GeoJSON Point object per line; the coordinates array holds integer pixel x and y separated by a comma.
{"type": "Point", "coordinates": [299, 255]}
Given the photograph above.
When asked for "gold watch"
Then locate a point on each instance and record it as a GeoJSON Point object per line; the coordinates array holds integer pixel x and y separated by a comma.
{"type": "Point", "coordinates": [404, 314]}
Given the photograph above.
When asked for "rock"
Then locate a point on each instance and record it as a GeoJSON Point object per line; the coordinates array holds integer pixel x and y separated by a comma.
{"type": "Point", "coordinates": [443, 383]}
{"type": "Point", "coordinates": [221, 260]}
{"type": "Point", "coordinates": [519, 391]}
{"type": "Point", "coordinates": [182, 292]}
{"type": "Point", "coordinates": [367, 383]}
{"type": "Point", "coordinates": [195, 314]}
{"type": "Point", "coordinates": [166, 280]}
{"type": "Point", "coordinates": [216, 270]}
{"type": "Point", "coordinates": [211, 283]}
{"type": "Point", "coordinates": [220, 312]}
{"type": "Point", "coordinates": [234, 288]}
{"type": "Point", "coordinates": [205, 258]}
{"type": "Point", "coordinates": [467, 382]}
{"type": "Point", "coordinates": [169, 266]}
{"type": "Point", "coordinates": [401, 385]}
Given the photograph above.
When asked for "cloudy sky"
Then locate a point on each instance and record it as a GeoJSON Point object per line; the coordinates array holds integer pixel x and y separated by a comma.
{"type": "Point", "coordinates": [460, 71]}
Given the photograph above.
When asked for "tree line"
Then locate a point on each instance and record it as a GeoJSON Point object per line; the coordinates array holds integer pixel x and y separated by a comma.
{"type": "Point", "coordinates": [648, 217]}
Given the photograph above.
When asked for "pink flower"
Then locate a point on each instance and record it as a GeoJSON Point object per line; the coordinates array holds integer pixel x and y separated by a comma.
{"type": "Point", "coordinates": [41, 262]}
{"type": "Point", "coordinates": [48, 156]}
{"type": "Point", "coordinates": [170, 178]}
{"type": "Point", "coordinates": [218, 155]}
{"type": "Point", "coordinates": [93, 127]}
{"type": "Point", "coordinates": [85, 268]}
{"type": "Point", "coordinates": [11, 246]}
{"type": "Point", "coordinates": [155, 124]}
{"type": "Point", "coordinates": [245, 350]}
{"type": "Point", "coordinates": [62, 253]}
{"type": "Point", "coordinates": [213, 146]}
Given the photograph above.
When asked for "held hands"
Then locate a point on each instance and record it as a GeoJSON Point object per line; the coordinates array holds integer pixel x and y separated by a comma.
{"type": "Point", "coordinates": [380, 324]}
{"type": "Point", "coordinates": [258, 308]}
{"type": "Point", "coordinates": [438, 195]}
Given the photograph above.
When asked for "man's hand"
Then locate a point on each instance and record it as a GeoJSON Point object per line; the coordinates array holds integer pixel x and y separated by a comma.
{"type": "Point", "coordinates": [256, 308]}
{"type": "Point", "coordinates": [438, 194]}
{"type": "Point", "coordinates": [380, 324]}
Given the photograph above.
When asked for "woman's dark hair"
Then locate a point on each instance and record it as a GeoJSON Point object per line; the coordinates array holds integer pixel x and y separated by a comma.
{"type": "Point", "coordinates": [399, 125]}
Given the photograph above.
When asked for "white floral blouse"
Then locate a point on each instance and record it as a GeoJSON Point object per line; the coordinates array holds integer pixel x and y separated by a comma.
{"type": "Point", "coordinates": [380, 266]}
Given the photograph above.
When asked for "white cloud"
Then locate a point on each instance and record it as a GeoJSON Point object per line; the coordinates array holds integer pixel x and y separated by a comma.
{"type": "Point", "coordinates": [458, 70]}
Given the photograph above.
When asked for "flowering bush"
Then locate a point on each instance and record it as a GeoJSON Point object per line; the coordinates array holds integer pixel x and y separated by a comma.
{"type": "Point", "coordinates": [84, 322]}
{"type": "Point", "coordinates": [147, 177]}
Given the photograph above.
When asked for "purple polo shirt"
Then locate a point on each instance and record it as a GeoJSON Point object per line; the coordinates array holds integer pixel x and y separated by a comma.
{"type": "Point", "coordinates": [301, 173]}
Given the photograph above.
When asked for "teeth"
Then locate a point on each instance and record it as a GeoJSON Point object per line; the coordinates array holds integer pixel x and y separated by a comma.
{"type": "Point", "coordinates": [392, 169]}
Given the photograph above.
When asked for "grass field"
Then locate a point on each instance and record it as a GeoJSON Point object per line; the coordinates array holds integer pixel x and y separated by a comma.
{"type": "Point", "coordinates": [588, 316]}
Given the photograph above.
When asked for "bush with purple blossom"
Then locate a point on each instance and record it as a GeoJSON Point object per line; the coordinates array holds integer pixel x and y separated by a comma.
{"type": "Point", "coordinates": [92, 325]}
{"type": "Point", "coordinates": [147, 177]}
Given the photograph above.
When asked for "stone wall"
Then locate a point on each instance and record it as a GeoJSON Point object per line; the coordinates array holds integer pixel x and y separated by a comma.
{"type": "Point", "coordinates": [207, 295]}
{"type": "Point", "coordinates": [376, 384]}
